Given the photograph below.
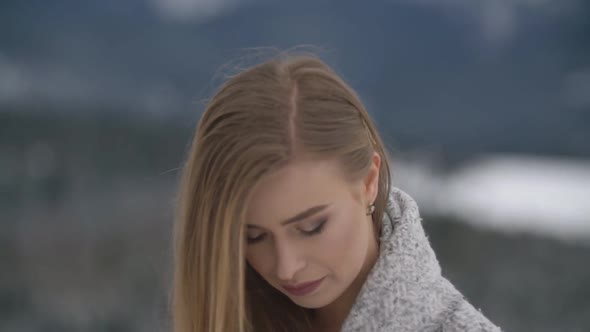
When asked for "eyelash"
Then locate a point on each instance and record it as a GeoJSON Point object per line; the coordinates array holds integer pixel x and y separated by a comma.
{"type": "Point", "coordinates": [313, 232]}
{"type": "Point", "coordinates": [316, 230]}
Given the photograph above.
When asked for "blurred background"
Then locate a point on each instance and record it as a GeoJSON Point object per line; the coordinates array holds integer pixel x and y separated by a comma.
{"type": "Point", "coordinates": [485, 106]}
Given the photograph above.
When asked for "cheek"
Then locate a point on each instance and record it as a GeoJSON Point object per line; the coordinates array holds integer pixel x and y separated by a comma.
{"type": "Point", "coordinates": [260, 261]}
{"type": "Point", "coordinates": [344, 245]}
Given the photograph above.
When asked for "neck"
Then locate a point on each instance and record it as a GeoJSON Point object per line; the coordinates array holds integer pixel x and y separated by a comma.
{"type": "Point", "coordinates": [332, 316]}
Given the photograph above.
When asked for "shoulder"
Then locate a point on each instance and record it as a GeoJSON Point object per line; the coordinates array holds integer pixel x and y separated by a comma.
{"type": "Point", "coordinates": [465, 318]}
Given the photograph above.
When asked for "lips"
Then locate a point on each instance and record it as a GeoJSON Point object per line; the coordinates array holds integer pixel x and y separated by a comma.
{"type": "Point", "coordinates": [303, 288]}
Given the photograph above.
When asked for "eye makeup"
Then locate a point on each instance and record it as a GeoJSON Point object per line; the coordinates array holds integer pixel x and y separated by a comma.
{"type": "Point", "coordinates": [252, 240]}
{"type": "Point", "coordinates": [318, 229]}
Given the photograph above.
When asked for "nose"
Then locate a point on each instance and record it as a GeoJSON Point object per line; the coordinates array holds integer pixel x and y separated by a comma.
{"type": "Point", "coordinates": [289, 260]}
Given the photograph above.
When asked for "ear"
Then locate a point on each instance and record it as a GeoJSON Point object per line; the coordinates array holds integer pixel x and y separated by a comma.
{"type": "Point", "coordinates": [371, 182]}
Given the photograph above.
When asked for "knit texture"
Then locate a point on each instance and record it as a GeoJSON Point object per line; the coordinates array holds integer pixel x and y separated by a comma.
{"type": "Point", "coordinates": [405, 290]}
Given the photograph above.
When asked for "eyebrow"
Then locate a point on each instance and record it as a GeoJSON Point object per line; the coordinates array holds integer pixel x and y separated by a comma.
{"type": "Point", "coordinates": [302, 215]}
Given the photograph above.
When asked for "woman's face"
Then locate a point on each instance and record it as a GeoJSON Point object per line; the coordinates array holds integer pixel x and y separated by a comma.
{"type": "Point", "coordinates": [307, 223]}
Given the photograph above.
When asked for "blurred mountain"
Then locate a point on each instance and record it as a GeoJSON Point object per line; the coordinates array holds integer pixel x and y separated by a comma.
{"type": "Point", "coordinates": [433, 76]}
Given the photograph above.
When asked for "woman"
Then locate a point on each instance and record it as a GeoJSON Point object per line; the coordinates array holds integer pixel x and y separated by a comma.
{"type": "Point", "coordinates": [288, 222]}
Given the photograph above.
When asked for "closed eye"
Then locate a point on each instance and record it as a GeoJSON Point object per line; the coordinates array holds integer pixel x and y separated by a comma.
{"type": "Point", "coordinates": [258, 238]}
{"type": "Point", "coordinates": [318, 229]}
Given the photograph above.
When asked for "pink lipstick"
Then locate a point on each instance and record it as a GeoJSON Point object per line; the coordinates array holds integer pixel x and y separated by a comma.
{"type": "Point", "coordinates": [303, 288]}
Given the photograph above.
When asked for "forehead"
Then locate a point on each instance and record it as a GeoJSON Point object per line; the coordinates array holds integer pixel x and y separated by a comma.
{"type": "Point", "coordinates": [294, 188]}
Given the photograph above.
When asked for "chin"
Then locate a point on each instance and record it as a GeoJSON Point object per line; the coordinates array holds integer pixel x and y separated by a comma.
{"type": "Point", "coordinates": [313, 301]}
{"type": "Point", "coordinates": [310, 303]}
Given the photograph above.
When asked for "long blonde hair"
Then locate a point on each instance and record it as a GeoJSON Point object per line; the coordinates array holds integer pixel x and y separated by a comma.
{"type": "Point", "coordinates": [288, 107]}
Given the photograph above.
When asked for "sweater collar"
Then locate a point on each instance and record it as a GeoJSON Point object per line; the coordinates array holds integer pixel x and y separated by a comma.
{"type": "Point", "coordinates": [404, 290]}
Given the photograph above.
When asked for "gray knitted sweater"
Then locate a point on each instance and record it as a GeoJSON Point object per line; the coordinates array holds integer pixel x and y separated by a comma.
{"type": "Point", "coordinates": [405, 290]}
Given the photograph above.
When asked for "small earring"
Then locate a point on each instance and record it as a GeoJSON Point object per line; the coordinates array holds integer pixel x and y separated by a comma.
{"type": "Point", "coordinates": [371, 209]}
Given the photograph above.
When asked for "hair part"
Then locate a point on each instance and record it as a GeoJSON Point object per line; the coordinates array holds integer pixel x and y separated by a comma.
{"type": "Point", "coordinates": [288, 108]}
